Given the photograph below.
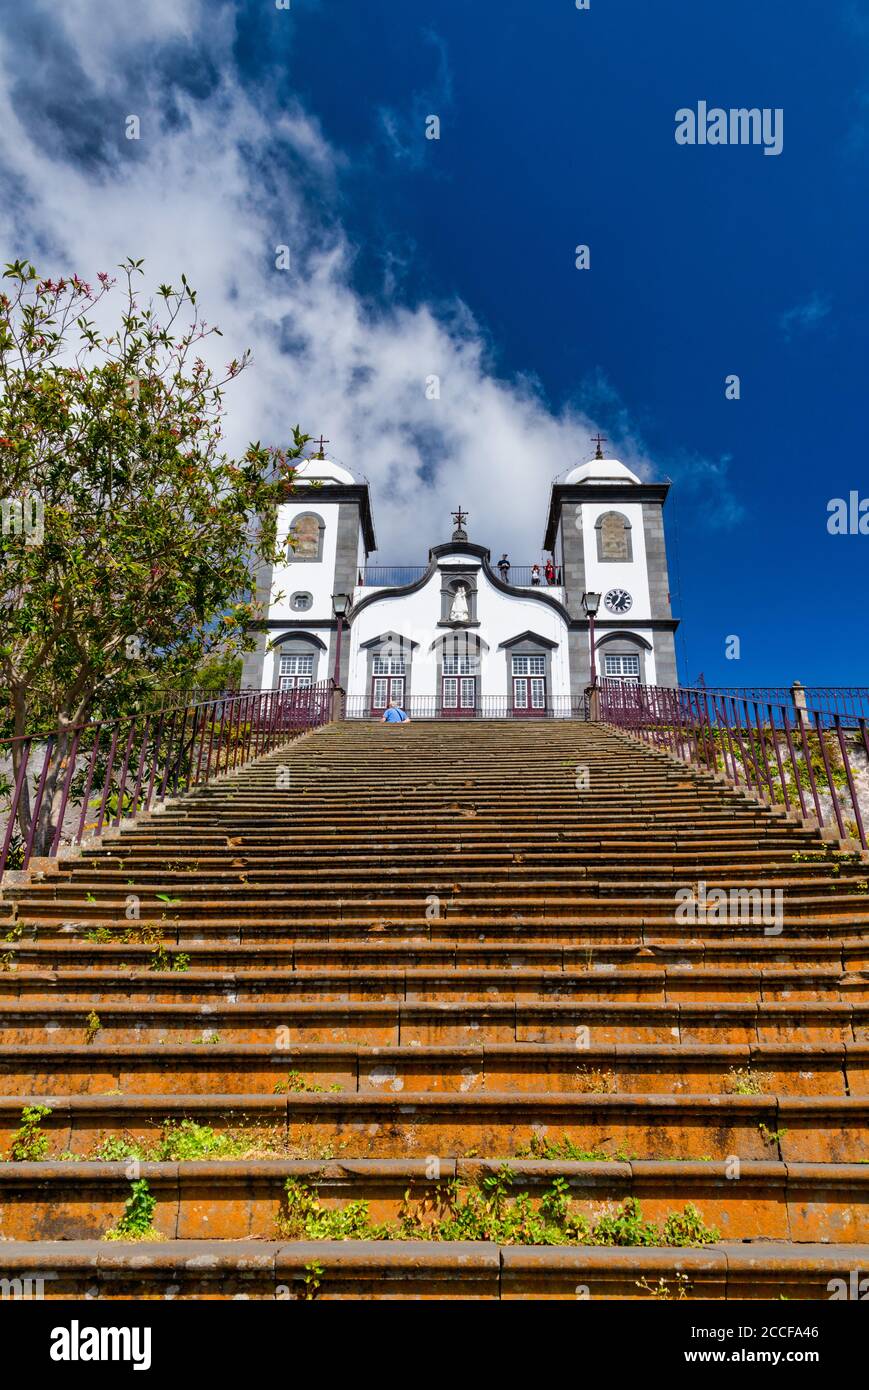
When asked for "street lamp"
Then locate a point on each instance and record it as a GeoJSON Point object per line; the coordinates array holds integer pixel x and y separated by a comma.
{"type": "Point", "coordinates": [340, 604]}
{"type": "Point", "coordinates": [590, 605]}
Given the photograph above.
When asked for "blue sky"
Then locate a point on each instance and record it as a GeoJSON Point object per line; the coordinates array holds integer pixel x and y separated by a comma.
{"type": "Point", "coordinates": [412, 256]}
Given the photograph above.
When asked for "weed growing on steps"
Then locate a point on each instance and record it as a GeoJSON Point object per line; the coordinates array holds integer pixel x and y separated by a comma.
{"type": "Point", "coordinates": [163, 959]}
{"type": "Point", "coordinates": [100, 936]}
{"type": "Point", "coordinates": [29, 1144]}
{"type": "Point", "coordinates": [771, 1136]}
{"type": "Point", "coordinates": [185, 1141]}
{"type": "Point", "coordinates": [742, 1081]}
{"type": "Point", "coordinates": [489, 1211]}
{"type": "Point", "coordinates": [662, 1289]}
{"type": "Point", "coordinates": [593, 1081]}
{"type": "Point", "coordinates": [313, 1279]}
{"type": "Point", "coordinates": [296, 1083]}
{"type": "Point", "coordinates": [137, 1221]}
{"type": "Point", "coordinates": [566, 1151]}
{"type": "Point", "coordinates": [92, 1026]}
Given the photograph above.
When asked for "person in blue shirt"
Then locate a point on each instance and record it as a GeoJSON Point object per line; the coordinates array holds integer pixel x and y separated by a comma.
{"type": "Point", "coordinates": [394, 714]}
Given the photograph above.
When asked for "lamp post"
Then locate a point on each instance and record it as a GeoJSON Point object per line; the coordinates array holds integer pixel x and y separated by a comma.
{"type": "Point", "coordinates": [340, 604]}
{"type": "Point", "coordinates": [590, 605]}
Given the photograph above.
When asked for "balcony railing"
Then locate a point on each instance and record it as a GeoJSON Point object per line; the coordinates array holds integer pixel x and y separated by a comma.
{"type": "Point", "coordinates": [392, 576]}
{"type": "Point", "coordinates": [489, 707]}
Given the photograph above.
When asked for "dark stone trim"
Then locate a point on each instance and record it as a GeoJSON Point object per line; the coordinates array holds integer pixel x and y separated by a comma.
{"type": "Point", "coordinates": [461, 547]}
{"type": "Point", "coordinates": [528, 637]}
{"type": "Point", "coordinates": [599, 492]}
{"type": "Point", "coordinates": [388, 637]}
{"type": "Point", "coordinates": [269, 623]}
{"type": "Point", "coordinates": [479, 643]}
{"type": "Point", "coordinates": [299, 637]}
{"type": "Point", "coordinates": [623, 637]}
{"type": "Point", "coordinates": [628, 624]}
{"type": "Point", "coordinates": [341, 492]}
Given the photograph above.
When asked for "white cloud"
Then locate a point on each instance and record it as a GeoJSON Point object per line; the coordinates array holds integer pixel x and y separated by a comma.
{"type": "Point", "coordinates": [191, 196]}
{"type": "Point", "coordinates": [816, 308]}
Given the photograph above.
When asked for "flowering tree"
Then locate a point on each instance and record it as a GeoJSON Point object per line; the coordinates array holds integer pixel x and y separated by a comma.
{"type": "Point", "coordinates": [128, 533]}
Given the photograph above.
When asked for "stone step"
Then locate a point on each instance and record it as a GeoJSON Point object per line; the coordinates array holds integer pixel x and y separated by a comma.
{"type": "Point", "coordinates": [390, 1022]}
{"type": "Point", "coordinates": [97, 1068]}
{"type": "Point", "coordinates": [847, 912]}
{"type": "Point", "coordinates": [230, 1199]}
{"type": "Point", "coordinates": [808, 1129]}
{"type": "Point", "coordinates": [397, 886]}
{"type": "Point", "coordinates": [33, 960]}
{"type": "Point", "coordinates": [403, 979]}
{"type": "Point", "coordinates": [428, 1269]}
{"type": "Point", "coordinates": [451, 927]}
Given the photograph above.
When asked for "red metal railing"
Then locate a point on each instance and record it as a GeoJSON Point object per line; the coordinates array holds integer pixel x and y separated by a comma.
{"type": "Point", "coordinates": [809, 759]}
{"type": "Point", "coordinates": [850, 701]}
{"type": "Point", "coordinates": [92, 776]}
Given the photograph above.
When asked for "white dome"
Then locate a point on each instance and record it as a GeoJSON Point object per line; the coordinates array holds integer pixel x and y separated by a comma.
{"type": "Point", "coordinates": [601, 471]}
{"type": "Point", "coordinates": [321, 470]}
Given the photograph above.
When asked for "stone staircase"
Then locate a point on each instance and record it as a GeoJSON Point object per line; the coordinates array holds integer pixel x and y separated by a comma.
{"type": "Point", "coordinates": [391, 961]}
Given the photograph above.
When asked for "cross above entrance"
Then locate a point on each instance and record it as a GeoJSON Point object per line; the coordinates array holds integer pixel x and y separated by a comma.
{"type": "Point", "coordinates": [459, 517]}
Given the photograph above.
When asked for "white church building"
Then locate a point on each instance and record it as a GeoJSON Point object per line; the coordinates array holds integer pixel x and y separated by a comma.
{"type": "Point", "coordinates": [461, 635]}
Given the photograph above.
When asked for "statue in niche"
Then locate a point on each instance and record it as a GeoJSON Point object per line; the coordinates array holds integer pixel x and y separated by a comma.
{"type": "Point", "coordinates": [459, 610]}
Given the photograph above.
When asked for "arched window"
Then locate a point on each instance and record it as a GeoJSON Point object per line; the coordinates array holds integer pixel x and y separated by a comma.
{"type": "Point", "coordinates": [297, 659]}
{"type": "Point", "coordinates": [306, 537]}
{"type": "Point", "coordinates": [613, 531]}
{"type": "Point", "coordinates": [621, 656]}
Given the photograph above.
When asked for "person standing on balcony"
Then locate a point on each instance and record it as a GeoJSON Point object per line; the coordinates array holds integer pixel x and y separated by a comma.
{"type": "Point", "coordinates": [504, 568]}
{"type": "Point", "coordinates": [535, 576]}
{"type": "Point", "coordinates": [394, 714]}
{"type": "Point", "coordinates": [549, 571]}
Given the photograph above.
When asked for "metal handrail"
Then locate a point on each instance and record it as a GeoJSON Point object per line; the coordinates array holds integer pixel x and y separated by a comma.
{"type": "Point", "coordinates": [792, 754]}
{"type": "Point", "coordinates": [119, 768]}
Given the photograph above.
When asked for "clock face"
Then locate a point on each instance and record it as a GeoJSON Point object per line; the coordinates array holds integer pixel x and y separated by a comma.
{"type": "Point", "coordinates": [618, 600]}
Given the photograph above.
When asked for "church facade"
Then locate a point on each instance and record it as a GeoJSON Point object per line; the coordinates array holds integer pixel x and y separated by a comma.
{"type": "Point", "coordinates": [464, 636]}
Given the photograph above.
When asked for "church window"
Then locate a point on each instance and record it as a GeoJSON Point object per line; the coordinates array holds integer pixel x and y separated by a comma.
{"type": "Point", "coordinates": [301, 601]}
{"type": "Point", "coordinates": [529, 683]}
{"type": "Point", "coordinates": [294, 670]}
{"type": "Point", "coordinates": [613, 537]}
{"type": "Point", "coordinates": [306, 537]}
{"type": "Point", "coordinates": [387, 666]}
{"type": "Point", "coordinates": [622, 666]}
{"type": "Point", "coordinates": [529, 665]}
{"type": "Point", "coordinates": [459, 692]}
{"type": "Point", "coordinates": [460, 665]}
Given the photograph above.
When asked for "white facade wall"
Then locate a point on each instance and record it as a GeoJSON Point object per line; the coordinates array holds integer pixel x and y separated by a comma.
{"type": "Point", "coordinates": [315, 577]}
{"type": "Point", "coordinates": [632, 575]}
{"type": "Point", "coordinates": [415, 618]}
